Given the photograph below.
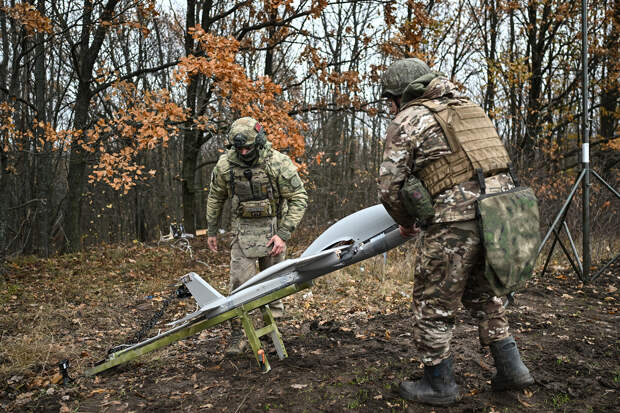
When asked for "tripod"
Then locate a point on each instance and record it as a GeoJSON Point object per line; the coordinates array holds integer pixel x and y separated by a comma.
{"type": "Point", "coordinates": [582, 269]}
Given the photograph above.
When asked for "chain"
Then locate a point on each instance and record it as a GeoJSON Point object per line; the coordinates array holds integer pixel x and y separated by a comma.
{"type": "Point", "coordinates": [180, 292]}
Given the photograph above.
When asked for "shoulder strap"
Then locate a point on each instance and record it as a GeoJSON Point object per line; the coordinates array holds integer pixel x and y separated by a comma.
{"type": "Point", "coordinates": [271, 175]}
{"type": "Point", "coordinates": [481, 183]}
{"type": "Point", "coordinates": [513, 175]}
{"type": "Point", "coordinates": [443, 115]}
{"type": "Point", "coordinates": [232, 181]}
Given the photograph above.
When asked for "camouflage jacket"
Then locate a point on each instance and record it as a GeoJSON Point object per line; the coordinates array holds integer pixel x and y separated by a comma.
{"type": "Point", "coordinates": [415, 139]}
{"type": "Point", "coordinates": [289, 190]}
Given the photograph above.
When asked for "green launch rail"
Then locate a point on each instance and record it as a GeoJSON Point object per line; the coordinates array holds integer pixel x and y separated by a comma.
{"type": "Point", "coordinates": [253, 335]}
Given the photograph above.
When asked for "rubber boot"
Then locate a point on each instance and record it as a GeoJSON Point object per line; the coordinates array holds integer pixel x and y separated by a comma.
{"type": "Point", "coordinates": [511, 372]}
{"type": "Point", "coordinates": [237, 344]}
{"type": "Point", "coordinates": [437, 387]}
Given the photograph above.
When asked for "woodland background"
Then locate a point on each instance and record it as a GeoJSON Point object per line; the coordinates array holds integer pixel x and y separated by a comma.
{"type": "Point", "coordinates": [113, 113]}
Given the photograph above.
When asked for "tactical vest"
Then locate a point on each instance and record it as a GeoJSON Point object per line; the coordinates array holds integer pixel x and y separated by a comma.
{"type": "Point", "coordinates": [473, 140]}
{"type": "Point", "coordinates": [255, 208]}
{"type": "Point", "coordinates": [253, 192]}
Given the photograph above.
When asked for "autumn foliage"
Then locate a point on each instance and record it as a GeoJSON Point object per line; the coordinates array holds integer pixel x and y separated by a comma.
{"type": "Point", "coordinates": [145, 120]}
{"type": "Point", "coordinates": [237, 94]}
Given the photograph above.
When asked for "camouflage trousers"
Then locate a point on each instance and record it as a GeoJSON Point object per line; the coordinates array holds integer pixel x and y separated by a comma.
{"type": "Point", "coordinates": [450, 271]}
{"type": "Point", "coordinates": [243, 268]}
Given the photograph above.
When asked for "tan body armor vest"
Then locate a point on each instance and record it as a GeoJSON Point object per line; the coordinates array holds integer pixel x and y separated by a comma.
{"type": "Point", "coordinates": [474, 143]}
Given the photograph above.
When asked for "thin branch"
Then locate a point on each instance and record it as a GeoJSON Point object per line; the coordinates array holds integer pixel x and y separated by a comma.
{"type": "Point", "coordinates": [135, 73]}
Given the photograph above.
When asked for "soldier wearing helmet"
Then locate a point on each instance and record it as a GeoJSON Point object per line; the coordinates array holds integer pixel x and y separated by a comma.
{"type": "Point", "coordinates": [268, 200]}
{"type": "Point", "coordinates": [429, 182]}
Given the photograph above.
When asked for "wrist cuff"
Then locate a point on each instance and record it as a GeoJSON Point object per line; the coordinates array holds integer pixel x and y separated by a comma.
{"type": "Point", "coordinates": [284, 234]}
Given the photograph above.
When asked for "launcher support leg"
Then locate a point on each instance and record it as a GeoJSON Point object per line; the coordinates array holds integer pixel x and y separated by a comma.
{"type": "Point", "coordinates": [276, 337]}
{"type": "Point", "coordinates": [271, 329]}
{"type": "Point", "coordinates": [254, 340]}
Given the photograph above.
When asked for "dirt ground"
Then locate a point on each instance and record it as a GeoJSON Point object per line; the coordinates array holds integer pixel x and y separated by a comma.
{"type": "Point", "coordinates": [349, 343]}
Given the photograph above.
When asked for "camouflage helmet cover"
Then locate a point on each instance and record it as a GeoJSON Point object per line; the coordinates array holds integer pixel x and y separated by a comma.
{"type": "Point", "coordinates": [400, 74]}
{"type": "Point", "coordinates": [248, 128]}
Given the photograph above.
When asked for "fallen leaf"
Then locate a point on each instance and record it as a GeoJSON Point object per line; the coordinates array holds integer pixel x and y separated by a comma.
{"type": "Point", "coordinates": [56, 378]}
{"type": "Point", "coordinates": [37, 382]}
{"type": "Point", "coordinates": [299, 386]}
{"type": "Point", "coordinates": [96, 391]}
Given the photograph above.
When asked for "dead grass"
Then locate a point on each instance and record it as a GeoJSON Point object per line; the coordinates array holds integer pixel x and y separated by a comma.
{"type": "Point", "coordinates": [77, 306]}
{"type": "Point", "coordinates": [379, 285]}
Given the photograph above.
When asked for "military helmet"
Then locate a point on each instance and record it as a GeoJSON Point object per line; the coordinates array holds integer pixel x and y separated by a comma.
{"type": "Point", "coordinates": [245, 132]}
{"type": "Point", "coordinates": [400, 74]}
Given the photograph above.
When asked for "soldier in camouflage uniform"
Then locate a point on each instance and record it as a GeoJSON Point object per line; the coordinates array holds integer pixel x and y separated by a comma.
{"type": "Point", "coordinates": [268, 201]}
{"type": "Point", "coordinates": [450, 268]}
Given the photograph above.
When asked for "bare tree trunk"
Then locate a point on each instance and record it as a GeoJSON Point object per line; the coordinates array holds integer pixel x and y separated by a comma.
{"type": "Point", "coordinates": [85, 62]}
{"type": "Point", "coordinates": [190, 152]}
{"type": "Point", "coordinates": [512, 95]}
{"type": "Point", "coordinates": [4, 172]}
{"type": "Point", "coordinates": [535, 44]}
{"type": "Point", "coordinates": [44, 163]}
{"type": "Point", "coordinates": [491, 46]}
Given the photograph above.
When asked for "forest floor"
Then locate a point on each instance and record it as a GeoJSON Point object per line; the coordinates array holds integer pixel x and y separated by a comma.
{"type": "Point", "coordinates": [348, 340]}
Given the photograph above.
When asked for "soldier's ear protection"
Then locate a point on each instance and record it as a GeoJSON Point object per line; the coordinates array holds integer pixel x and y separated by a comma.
{"type": "Point", "coordinates": [261, 137]}
{"type": "Point", "coordinates": [239, 141]}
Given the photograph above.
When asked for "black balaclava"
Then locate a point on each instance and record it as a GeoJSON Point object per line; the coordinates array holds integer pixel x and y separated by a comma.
{"type": "Point", "coordinates": [250, 157]}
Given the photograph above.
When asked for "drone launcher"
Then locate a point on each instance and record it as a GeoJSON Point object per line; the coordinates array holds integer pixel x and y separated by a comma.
{"type": "Point", "coordinates": [359, 236]}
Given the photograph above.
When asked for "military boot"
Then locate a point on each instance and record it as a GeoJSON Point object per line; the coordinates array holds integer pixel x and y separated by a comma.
{"type": "Point", "coordinates": [437, 387]}
{"type": "Point", "coordinates": [237, 343]}
{"type": "Point", "coordinates": [511, 372]}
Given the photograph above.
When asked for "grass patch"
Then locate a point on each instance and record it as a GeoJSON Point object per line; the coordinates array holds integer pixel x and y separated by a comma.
{"type": "Point", "coordinates": [560, 400]}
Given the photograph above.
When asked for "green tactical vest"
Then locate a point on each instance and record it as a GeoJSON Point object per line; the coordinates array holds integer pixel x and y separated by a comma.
{"type": "Point", "coordinates": [255, 208]}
